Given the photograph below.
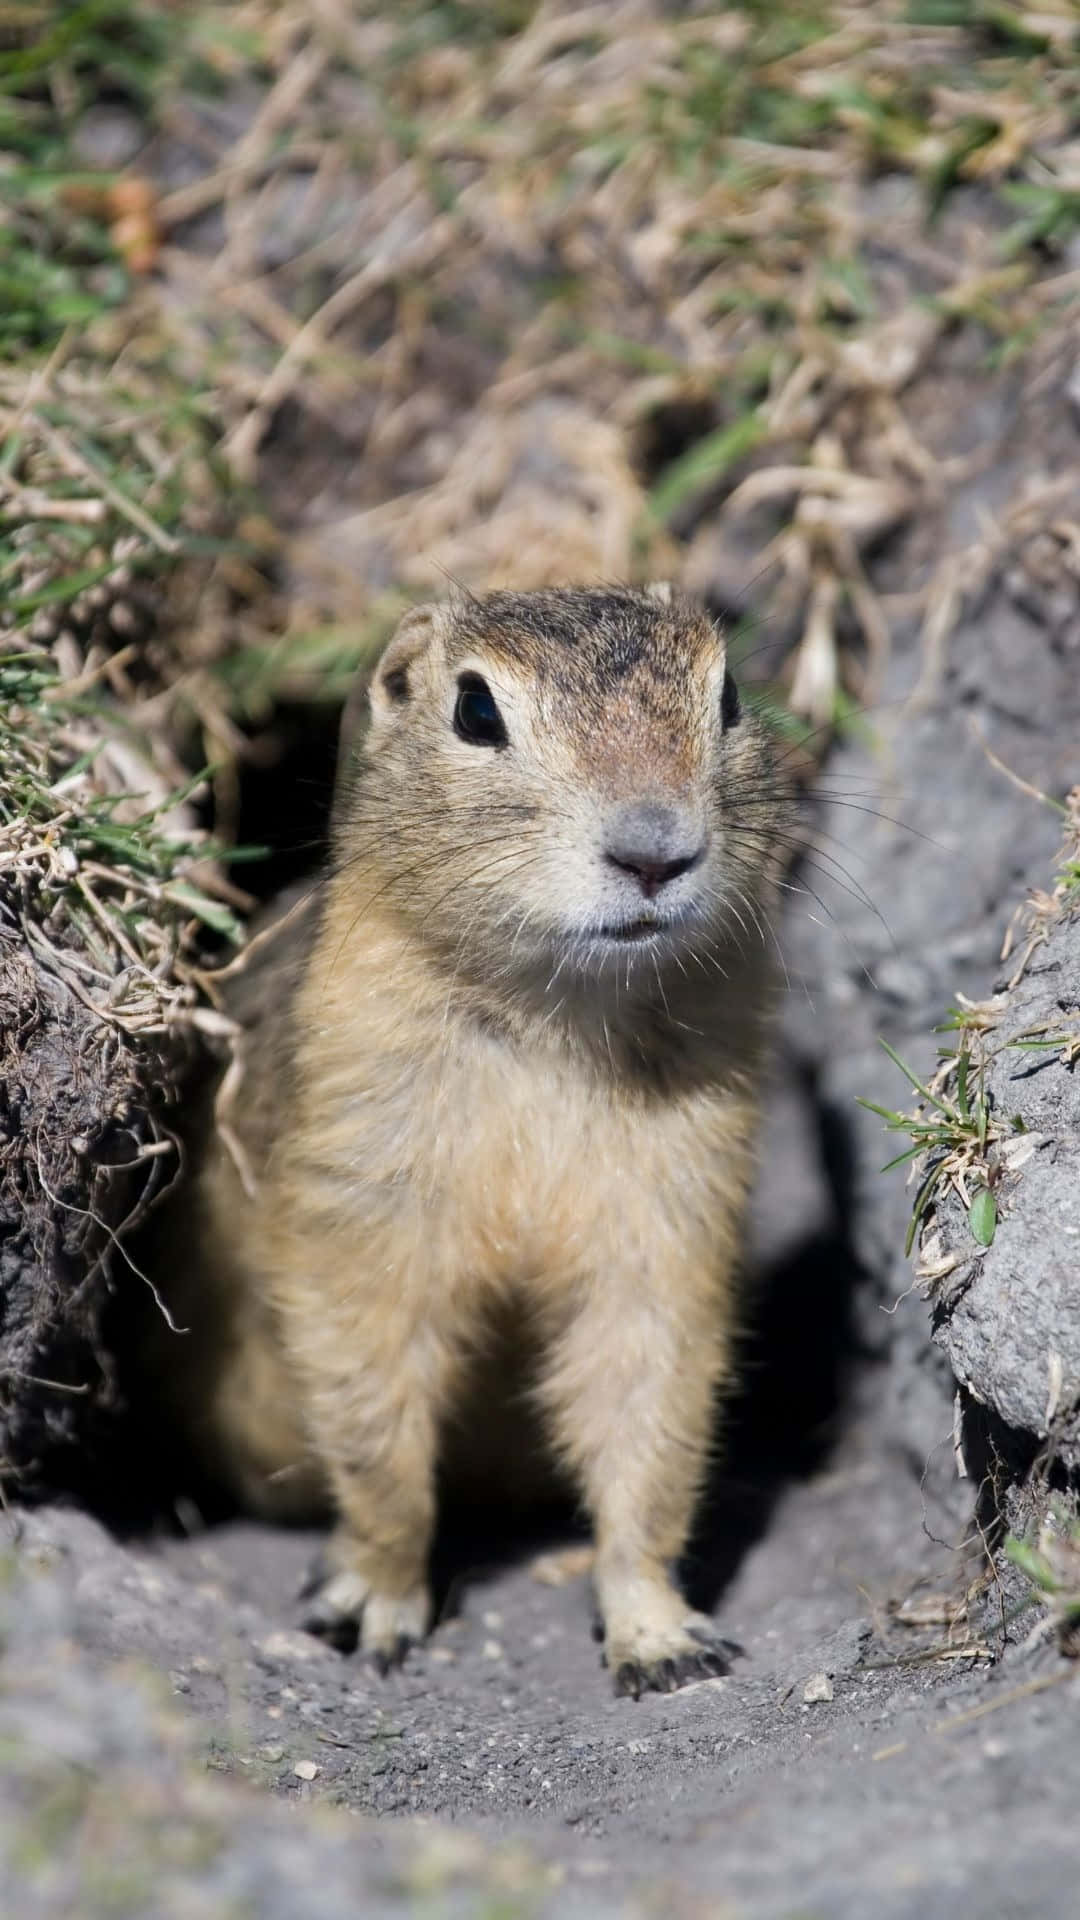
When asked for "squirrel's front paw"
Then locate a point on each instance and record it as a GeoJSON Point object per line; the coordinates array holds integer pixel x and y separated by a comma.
{"type": "Point", "coordinates": [662, 1655]}
{"type": "Point", "coordinates": [349, 1609]}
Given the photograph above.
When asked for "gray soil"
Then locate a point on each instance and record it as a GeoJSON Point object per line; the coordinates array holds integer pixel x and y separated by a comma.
{"type": "Point", "coordinates": [855, 1762]}
{"type": "Point", "coordinates": [831, 1774]}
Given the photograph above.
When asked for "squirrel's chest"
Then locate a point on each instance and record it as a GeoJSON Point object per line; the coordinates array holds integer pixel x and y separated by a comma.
{"type": "Point", "coordinates": [475, 1121]}
{"type": "Point", "coordinates": [515, 1155]}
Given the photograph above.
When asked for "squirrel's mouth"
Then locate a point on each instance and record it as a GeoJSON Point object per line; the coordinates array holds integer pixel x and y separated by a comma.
{"type": "Point", "coordinates": [629, 933]}
{"type": "Point", "coordinates": [631, 930]}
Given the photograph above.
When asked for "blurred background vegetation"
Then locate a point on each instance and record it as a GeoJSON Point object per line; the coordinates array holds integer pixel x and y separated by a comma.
{"type": "Point", "coordinates": [307, 311]}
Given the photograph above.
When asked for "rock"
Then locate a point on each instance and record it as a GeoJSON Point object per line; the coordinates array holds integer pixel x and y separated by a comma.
{"type": "Point", "coordinates": [818, 1688]}
{"type": "Point", "coordinates": [1009, 1317]}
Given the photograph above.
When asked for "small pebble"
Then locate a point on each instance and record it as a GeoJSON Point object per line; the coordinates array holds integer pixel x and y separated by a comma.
{"type": "Point", "coordinates": [305, 1769]}
{"type": "Point", "coordinates": [818, 1687]}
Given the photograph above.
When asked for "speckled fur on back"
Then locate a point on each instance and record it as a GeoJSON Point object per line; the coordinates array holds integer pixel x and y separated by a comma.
{"type": "Point", "coordinates": [515, 1132]}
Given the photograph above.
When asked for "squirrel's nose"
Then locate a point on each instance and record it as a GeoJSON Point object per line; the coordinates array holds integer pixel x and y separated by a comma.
{"type": "Point", "coordinates": [654, 843]}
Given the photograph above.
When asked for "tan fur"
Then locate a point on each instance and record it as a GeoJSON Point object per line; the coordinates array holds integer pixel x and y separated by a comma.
{"type": "Point", "coordinates": [492, 1144]}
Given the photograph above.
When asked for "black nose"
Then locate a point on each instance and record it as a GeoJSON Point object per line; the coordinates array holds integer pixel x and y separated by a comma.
{"type": "Point", "coordinates": [655, 844]}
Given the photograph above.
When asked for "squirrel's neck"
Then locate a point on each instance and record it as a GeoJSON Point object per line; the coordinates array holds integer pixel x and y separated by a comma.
{"type": "Point", "coordinates": [376, 976]}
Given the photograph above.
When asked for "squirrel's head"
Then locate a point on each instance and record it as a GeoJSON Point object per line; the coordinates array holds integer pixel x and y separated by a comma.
{"type": "Point", "coordinates": [562, 783]}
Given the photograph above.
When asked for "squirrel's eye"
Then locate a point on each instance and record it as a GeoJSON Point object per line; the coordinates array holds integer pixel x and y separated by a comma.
{"type": "Point", "coordinates": [730, 707]}
{"type": "Point", "coordinates": [476, 717]}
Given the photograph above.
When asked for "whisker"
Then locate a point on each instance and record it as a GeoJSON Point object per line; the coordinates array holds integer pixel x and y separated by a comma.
{"type": "Point", "coordinates": [825, 863]}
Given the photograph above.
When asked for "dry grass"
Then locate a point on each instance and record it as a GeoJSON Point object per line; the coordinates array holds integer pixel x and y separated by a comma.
{"type": "Point", "coordinates": [102, 866]}
{"type": "Point", "coordinates": [559, 292]}
{"type": "Point", "coordinates": [1033, 919]}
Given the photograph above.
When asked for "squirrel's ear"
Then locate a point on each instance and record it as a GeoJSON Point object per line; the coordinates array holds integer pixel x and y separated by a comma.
{"type": "Point", "coordinates": [389, 684]}
{"type": "Point", "coordinates": [380, 688]}
{"type": "Point", "coordinates": [661, 590]}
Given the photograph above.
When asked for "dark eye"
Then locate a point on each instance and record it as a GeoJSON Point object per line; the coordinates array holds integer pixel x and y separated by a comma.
{"type": "Point", "coordinates": [476, 717]}
{"type": "Point", "coordinates": [730, 708]}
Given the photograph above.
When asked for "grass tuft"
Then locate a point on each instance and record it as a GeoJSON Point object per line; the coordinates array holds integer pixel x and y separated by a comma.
{"type": "Point", "coordinates": [1051, 1563]}
{"type": "Point", "coordinates": [952, 1134]}
{"type": "Point", "coordinates": [958, 1141]}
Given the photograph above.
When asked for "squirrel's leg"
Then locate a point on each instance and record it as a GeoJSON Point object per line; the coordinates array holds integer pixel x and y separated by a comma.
{"type": "Point", "coordinates": [630, 1393]}
{"type": "Point", "coordinates": [374, 1381]}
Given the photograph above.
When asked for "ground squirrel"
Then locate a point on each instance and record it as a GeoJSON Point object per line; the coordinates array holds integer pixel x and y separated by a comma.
{"type": "Point", "coordinates": [498, 1107]}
